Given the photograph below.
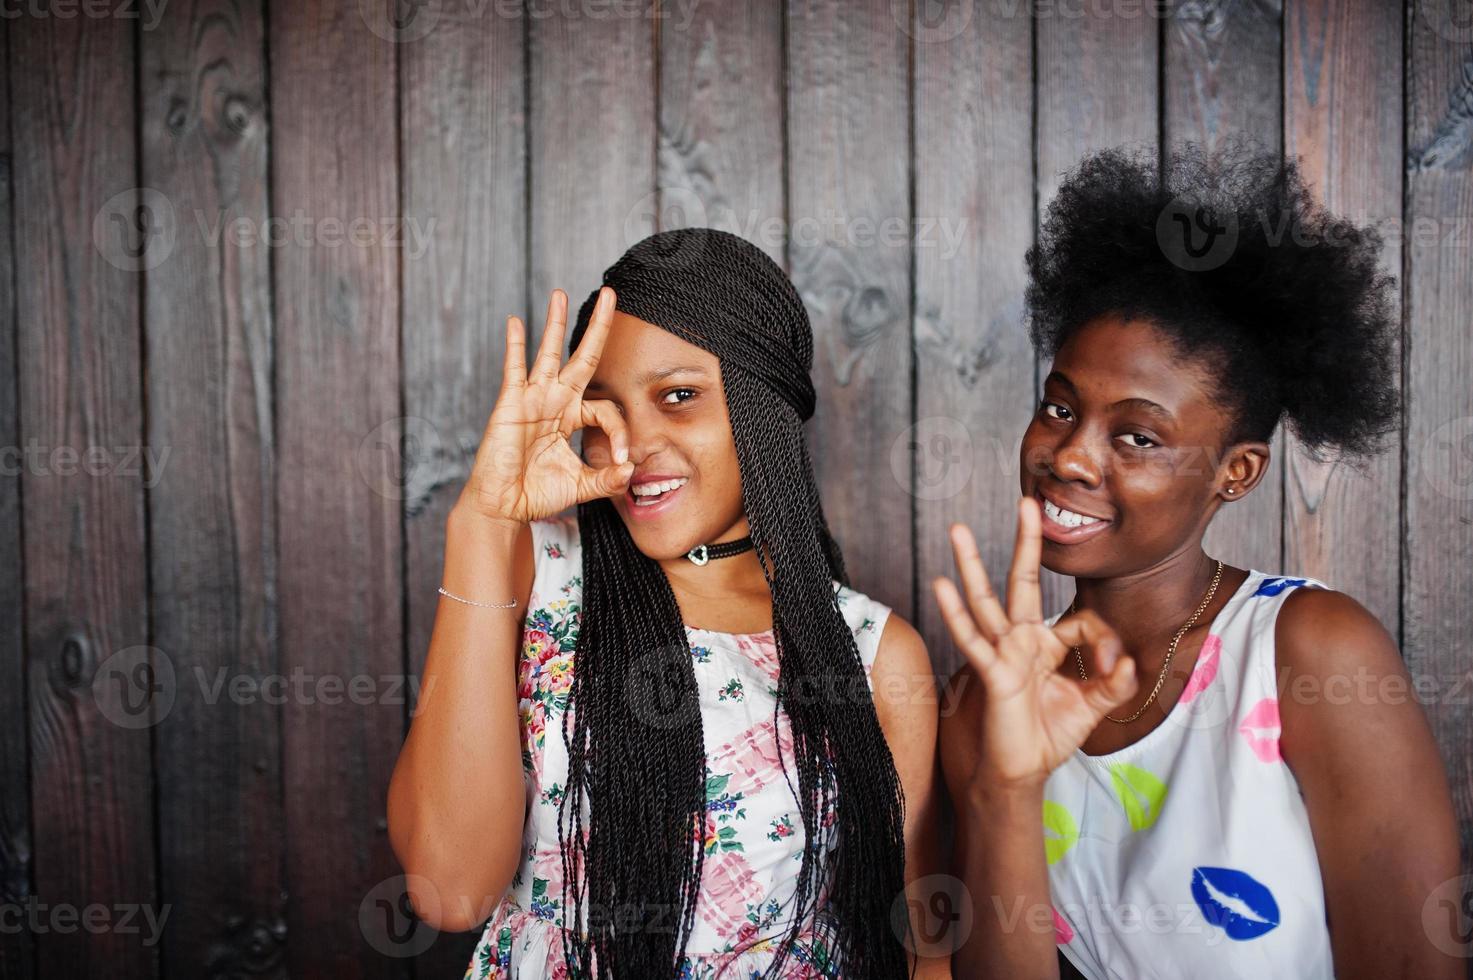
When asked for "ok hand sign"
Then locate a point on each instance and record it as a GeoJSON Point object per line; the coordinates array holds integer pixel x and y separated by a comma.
{"type": "Point", "coordinates": [1034, 717]}
{"type": "Point", "coordinates": [525, 468]}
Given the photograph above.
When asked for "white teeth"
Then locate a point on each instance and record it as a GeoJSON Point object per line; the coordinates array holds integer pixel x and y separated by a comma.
{"type": "Point", "coordinates": [1067, 517]}
{"type": "Point", "coordinates": [655, 489]}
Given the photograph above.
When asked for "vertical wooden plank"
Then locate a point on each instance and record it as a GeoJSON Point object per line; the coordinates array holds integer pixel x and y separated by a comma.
{"type": "Point", "coordinates": [721, 122]}
{"type": "Point", "coordinates": [974, 181]}
{"type": "Point", "coordinates": [1097, 83]}
{"type": "Point", "coordinates": [334, 174]}
{"type": "Point", "coordinates": [83, 232]}
{"type": "Point", "coordinates": [1343, 62]}
{"type": "Point", "coordinates": [1223, 74]}
{"type": "Point", "coordinates": [463, 90]}
{"type": "Point", "coordinates": [850, 236]}
{"type": "Point", "coordinates": [211, 513]}
{"type": "Point", "coordinates": [1438, 243]}
{"type": "Point", "coordinates": [17, 948]}
{"type": "Point", "coordinates": [592, 146]}
{"type": "Point", "coordinates": [1097, 78]}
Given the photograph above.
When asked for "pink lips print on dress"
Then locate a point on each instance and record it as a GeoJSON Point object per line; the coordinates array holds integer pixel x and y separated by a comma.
{"type": "Point", "coordinates": [1260, 729]}
{"type": "Point", "coordinates": [1063, 933]}
{"type": "Point", "coordinates": [1206, 670]}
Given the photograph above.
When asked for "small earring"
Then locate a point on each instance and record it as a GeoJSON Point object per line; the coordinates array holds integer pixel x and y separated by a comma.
{"type": "Point", "coordinates": [1232, 489]}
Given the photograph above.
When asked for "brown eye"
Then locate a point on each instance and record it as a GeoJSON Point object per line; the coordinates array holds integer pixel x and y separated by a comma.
{"type": "Point", "coordinates": [1137, 441]}
{"type": "Point", "coordinates": [669, 395]}
{"type": "Point", "coordinates": [1056, 411]}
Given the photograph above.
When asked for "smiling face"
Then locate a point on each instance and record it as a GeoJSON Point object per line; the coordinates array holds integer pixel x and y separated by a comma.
{"type": "Point", "coordinates": [1126, 451]}
{"type": "Point", "coordinates": [687, 487]}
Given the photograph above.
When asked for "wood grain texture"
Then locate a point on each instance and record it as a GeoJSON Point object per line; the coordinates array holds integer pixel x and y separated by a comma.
{"type": "Point", "coordinates": [1343, 120]}
{"type": "Point", "coordinates": [17, 947]}
{"type": "Point", "coordinates": [592, 85]}
{"type": "Point", "coordinates": [80, 226]}
{"type": "Point", "coordinates": [333, 166]}
{"type": "Point", "coordinates": [1097, 88]}
{"type": "Point", "coordinates": [211, 510]}
{"type": "Point", "coordinates": [1223, 73]}
{"type": "Point", "coordinates": [1436, 613]}
{"type": "Point", "coordinates": [312, 402]}
{"type": "Point", "coordinates": [848, 179]}
{"type": "Point", "coordinates": [721, 122]}
{"type": "Point", "coordinates": [463, 120]}
{"type": "Point", "coordinates": [974, 364]}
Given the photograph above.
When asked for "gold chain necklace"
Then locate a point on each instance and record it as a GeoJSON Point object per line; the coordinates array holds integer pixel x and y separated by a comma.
{"type": "Point", "coordinates": [1170, 652]}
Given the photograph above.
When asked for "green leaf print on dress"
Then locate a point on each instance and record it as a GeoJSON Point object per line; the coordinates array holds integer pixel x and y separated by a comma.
{"type": "Point", "coordinates": [1059, 822]}
{"type": "Point", "coordinates": [722, 808]}
{"type": "Point", "coordinates": [1140, 792]}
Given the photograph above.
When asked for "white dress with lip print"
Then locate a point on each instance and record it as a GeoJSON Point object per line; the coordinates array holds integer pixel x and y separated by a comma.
{"type": "Point", "coordinates": [1189, 853]}
{"type": "Point", "coordinates": [753, 834]}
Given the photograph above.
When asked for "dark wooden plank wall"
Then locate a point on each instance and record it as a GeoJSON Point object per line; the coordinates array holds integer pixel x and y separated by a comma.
{"type": "Point", "coordinates": [319, 400]}
{"type": "Point", "coordinates": [16, 948]}
{"type": "Point", "coordinates": [464, 149]}
{"type": "Point", "coordinates": [79, 241]}
{"type": "Point", "coordinates": [1437, 262]}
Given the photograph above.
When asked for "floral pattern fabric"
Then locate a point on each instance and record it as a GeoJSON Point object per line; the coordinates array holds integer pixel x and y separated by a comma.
{"type": "Point", "coordinates": [753, 830]}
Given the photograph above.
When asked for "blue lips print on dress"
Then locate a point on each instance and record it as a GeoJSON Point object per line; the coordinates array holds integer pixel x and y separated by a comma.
{"type": "Point", "coordinates": [1274, 586]}
{"type": "Point", "coordinates": [1236, 901]}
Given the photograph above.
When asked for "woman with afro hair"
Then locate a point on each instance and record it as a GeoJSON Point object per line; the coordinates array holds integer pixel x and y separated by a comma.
{"type": "Point", "coordinates": [1167, 780]}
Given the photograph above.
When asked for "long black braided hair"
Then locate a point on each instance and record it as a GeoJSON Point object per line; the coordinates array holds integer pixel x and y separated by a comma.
{"type": "Point", "coordinates": [635, 754]}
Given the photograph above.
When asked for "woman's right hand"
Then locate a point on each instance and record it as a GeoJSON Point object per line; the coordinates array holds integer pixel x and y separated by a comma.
{"type": "Point", "coordinates": [1034, 716]}
{"type": "Point", "coordinates": [525, 468]}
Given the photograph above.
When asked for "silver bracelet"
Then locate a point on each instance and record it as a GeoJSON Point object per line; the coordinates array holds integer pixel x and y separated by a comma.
{"type": "Point", "coordinates": [472, 602]}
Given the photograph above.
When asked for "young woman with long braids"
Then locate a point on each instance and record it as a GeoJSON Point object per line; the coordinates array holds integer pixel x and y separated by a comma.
{"type": "Point", "coordinates": [1170, 780]}
{"type": "Point", "coordinates": [666, 753]}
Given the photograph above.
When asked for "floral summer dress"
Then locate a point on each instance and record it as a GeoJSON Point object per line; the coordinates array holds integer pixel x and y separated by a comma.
{"type": "Point", "coordinates": [754, 830]}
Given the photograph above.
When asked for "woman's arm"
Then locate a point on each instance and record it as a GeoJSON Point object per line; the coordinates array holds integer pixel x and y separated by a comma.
{"type": "Point", "coordinates": [905, 700]}
{"type": "Point", "coordinates": [455, 800]}
{"type": "Point", "coordinates": [1017, 721]}
{"type": "Point", "coordinates": [1373, 782]}
{"type": "Point", "coordinates": [999, 852]}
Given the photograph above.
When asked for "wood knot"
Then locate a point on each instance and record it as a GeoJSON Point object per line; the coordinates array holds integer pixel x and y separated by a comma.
{"type": "Point", "coordinates": [177, 118]}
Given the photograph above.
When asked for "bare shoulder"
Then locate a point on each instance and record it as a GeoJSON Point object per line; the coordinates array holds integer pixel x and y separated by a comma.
{"type": "Point", "coordinates": [1323, 633]}
{"type": "Point", "coordinates": [1345, 695]}
{"type": "Point", "coordinates": [901, 647]}
{"type": "Point", "coordinates": [902, 677]}
{"type": "Point", "coordinates": [902, 663]}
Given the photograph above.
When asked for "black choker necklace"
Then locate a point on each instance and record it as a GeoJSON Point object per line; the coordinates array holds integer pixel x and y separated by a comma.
{"type": "Point", "coordinates": [703, 553]}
